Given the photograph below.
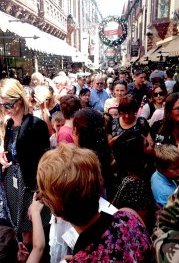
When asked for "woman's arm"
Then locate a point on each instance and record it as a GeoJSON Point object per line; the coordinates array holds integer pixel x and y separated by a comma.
{"type": "Point", "coordinates": [111, 139]}
{"type": "Point", "coordinates": [38, 232]}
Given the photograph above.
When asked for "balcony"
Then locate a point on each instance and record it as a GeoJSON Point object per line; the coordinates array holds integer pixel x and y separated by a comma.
{"type": "Point", "coordinates": [32, 5]}
{"type": "Point", "coordinates": [55, 15]}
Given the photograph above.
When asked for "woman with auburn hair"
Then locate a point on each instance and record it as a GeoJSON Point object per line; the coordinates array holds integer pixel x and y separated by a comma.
{"type": "Point", "coordinates": [70, 184]}
{"type": "Point", "coordinates": [26, 139]}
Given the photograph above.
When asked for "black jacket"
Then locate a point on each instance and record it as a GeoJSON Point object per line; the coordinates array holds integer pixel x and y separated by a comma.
{"type": "Point", "coordinates": [32, 142]}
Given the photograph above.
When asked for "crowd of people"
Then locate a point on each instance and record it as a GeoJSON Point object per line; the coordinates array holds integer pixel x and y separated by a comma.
{"type": "Point", "coordinates": [90, 167]}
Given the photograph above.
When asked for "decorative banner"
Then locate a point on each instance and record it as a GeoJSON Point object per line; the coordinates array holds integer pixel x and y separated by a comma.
{"type": "Point", "coordinates": [113, 31]}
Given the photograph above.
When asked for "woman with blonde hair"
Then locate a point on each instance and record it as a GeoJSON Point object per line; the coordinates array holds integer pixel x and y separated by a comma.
{"type": "Point", "coordinates": [37, 79]}
{"type": "Point", "coordinates": [26, 139]}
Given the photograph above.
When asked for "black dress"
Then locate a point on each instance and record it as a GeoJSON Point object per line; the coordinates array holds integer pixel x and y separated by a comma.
{"type": "Point", "coordinates": [128, 149]}
{"type": "Point", "coordinates": [20, 189]}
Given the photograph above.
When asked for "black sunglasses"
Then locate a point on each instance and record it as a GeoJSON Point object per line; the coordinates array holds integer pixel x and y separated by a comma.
{"type": "Point", "coordinates": [156, 94]}
{"type": "Point", "coordinates": [9, 105]}
{"type": "Point", "coordinates": [100, 83]}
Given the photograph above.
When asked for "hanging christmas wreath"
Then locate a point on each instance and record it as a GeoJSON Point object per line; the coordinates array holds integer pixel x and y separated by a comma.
{"type": "Point", "coordinates": [113, 31]}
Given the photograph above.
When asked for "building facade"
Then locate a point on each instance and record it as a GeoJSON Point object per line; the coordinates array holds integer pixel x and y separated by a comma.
{"type": "Point", "coordinates": [54, 31]}
{"type": "Point", "coordinates": [153, 24]}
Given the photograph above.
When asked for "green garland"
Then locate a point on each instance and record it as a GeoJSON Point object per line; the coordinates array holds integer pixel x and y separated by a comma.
{"type": "Point", "coordinates": [106, 40]}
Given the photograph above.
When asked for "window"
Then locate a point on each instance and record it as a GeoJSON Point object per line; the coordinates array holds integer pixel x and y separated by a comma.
{"type": "Point", "coordinates": [163, 9]}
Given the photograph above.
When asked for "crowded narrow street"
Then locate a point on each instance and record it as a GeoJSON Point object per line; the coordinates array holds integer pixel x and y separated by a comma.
{"type": "Point", "coordinates": [89, 131]}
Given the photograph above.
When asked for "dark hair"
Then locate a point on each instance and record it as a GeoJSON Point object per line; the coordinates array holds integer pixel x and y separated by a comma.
{"type": "Point", "coordinates": [69, 105]}
{"type": "Point", "coordinates": [169, 73]}
{"type": "Point", "coordinates": [138, 72]}
{"type": "Point", "coordinates": [128, 104]}
{"type": "Point", "coordinates": [26, 80]}
{"type": "Point", "coordinates": [167, 124]}
{"type": "Point", "coordinates": [90, 127]}
{"type": "Point", "coordinates": [108, 120]}
{"type": "Point", "coordinates": [12, 73]}
{"type": "Point", "coordinates": [159, 85]}
{"type": "Point", "coordinates": [83, 91]}
{"type": "Point", "coordinates": [120, 82]}
{"type": "Point", "coordinates": [88, 80]}
{"type": "Point", "coordinates": [176, 87]}
{"type": "Point", "coordinates": [8, 244]}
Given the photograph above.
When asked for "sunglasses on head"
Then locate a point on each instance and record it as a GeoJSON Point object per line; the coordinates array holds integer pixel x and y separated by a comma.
{"type": "Point", "coordinates": [156, 94]}
{"type": "Point", "coordinates": [9, 105]}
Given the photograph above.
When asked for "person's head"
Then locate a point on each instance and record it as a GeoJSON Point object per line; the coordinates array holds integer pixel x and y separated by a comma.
{"type": "Point", "coordinates": [167, 160]}
{"type": "Point", "coordinates": [26, 80]}
{"type": "Point", "coordinates": [8, 245]}
{"type": "Point", "coordinates": [159, 92]}
{"type": "Point", "coordinates": [89, 82]}
{"type": "Point", "coordinates": [37, 79]}
{"type": "Point", "coordinates": [119, 89]}
{"type": "Point", "coordinates": [69, 105]}
{"type": "Point", "coordinates": [109, 82]}
{"type": "Point", "coordinates": [169, 73]}
{"type": "Point", "coordinates": [81, 80]}
{"type": "Point", "coordinates": [98, 82]}
{"type": "Point", "coordinates": [12, 73]}
{"type": "Point", "coordinates": [61, 73]}
{"type": "Point", "coordinates": [122, 76]}
{"type": "Point", "coordinates": [62, 85]}
{"type": "Point", "coordinates": [71, 90]}
{"type": "Point", "coordinates": [3, 74]}
{"type": "Point", "coordinates": [171, 113]}
{"type": "Point", "coordinates": [42, 93]}
{"type": "Point", "coordinates": [107, 120]}
{"type": "Point", "coordinates": [70, 183]}
{"type": "Point", "coordinates": [57, 121]}
{"type": "Point", "coordinates": [84, 96]}
{"type": "Point", "coordinates": [139, 77]}
{"type": "Point", "coordinates": [13, 97]}
{"type": "Point", "coordinates": [128, 108]}
{"type": "Point", "coordinates": [88, 128]}
{"type": "Point", "coordinates": [113, 111]}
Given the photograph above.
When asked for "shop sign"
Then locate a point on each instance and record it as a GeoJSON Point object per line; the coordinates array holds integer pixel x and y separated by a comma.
{"type": "Point", "coordinates": [134, 50]}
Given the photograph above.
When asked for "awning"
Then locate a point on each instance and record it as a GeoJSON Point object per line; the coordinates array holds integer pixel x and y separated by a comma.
{"type": "Point", "coordinates": [79, 57]}
{"type": "Point", "coordinates": [172, 48]}
{"type": "Point", "coordinates": [134, 59]}
{"type": "Point", "coordinates": [35, 38]}
{"type": "Point", "coordinates": [144, 59]}
{"type": "Point", "coordinates": [151, 55]}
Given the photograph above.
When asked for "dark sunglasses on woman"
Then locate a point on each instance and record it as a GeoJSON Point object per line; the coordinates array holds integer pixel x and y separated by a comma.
{"type": "Point", "coordinates": [156, 94]}
{"type": "Point", "coordinates": [8, 105]}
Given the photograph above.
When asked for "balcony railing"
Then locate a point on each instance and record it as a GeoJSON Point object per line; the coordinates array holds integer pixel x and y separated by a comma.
{"type": "Point", "coordinates": [55, 15]}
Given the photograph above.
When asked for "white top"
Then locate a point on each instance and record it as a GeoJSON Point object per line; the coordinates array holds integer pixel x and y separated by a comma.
{"type": "Point", "coordinates": [157, 116]}
{"type": "Point", "coordinates": [169, 85]}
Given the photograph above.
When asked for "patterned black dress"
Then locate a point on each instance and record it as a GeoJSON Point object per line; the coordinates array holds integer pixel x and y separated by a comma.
{"type": "Point", "coordinates": [19, 196]}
